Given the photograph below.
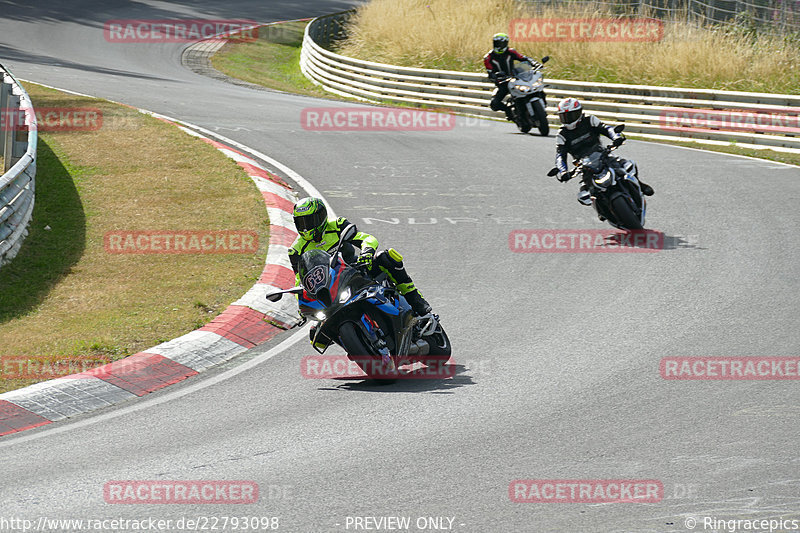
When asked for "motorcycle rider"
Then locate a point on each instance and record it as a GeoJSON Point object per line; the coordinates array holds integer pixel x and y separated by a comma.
{"type": "Point", "coordinates": [316, 232]}
{"type": "Point", "coordinates": [499, 63]}
{"type": "Point", "coordinates": [579, 136]}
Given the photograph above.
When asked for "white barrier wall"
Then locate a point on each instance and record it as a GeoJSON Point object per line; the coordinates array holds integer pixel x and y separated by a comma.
{"type": "Point", "coordinates": [751, 120]}
{"type": "Point", "coordinates": [18, 138]}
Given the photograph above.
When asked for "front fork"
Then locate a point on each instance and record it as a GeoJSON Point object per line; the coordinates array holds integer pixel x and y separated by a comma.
{"type": "Point", "coordinates": [375, 335]}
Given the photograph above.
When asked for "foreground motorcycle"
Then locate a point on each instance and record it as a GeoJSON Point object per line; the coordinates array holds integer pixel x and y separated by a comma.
{"type": "Point", "coordinates": [526, 97]}
{"type": "Point", "coordinates": [366, 316]}
{"type": "Point", "coordinates": [616, 194]}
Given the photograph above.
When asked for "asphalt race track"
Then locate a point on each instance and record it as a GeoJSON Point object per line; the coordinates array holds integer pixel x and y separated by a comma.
{"type": "Point", "coordinates": [558, 353]}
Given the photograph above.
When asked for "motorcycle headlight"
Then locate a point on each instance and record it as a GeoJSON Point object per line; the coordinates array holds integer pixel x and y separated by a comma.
{"type": "Point", "coordinates": [320, 316]}
{"type": "Point", "coordinates": [522, 88]}
{"type": "Point", "coordinates": [602, 180]}
{"type": "Point", "coordinates": [345, 295]}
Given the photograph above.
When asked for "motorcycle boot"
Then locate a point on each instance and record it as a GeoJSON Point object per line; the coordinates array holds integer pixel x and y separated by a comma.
{"type": "Point", "coordinates": [418, 304]}
{"type": "Point", "coordinates": [630, 167]}
{"type": "Point", "coordinates": [391, 262]}
{"type": "Point", "coordinates": [584, 197]}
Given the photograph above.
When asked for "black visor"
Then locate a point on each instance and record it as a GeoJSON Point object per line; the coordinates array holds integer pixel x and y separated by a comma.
{"type": "Point", "coordinates": [310, 222]}
{"type": "Point", "coordinates": [569, 117]}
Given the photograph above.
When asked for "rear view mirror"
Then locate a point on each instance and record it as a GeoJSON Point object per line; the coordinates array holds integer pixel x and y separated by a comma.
{"type": "Point", "coordinates": [553, 171]}
{"type": "Point", "coordinates": [348, 232]}
{"type": "Point", "coordinates": [619, 127]}
{"type": "Point", "coordinates": [545, 59]}
{"type": "Point", "coordinates": [275, 296]}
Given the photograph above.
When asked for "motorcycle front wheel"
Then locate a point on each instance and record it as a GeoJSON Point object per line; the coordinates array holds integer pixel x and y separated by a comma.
{"type": "Point", "coordinates": [541, 118]}
{"type": "Point", "coordinates": [523, 120]}
{"type": "Point", "coordinates": [621, 207]}
{"type": "Point", "coordinates": [358, 352]}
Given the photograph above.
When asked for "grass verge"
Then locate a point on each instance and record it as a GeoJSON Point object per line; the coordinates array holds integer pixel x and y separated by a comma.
{"type": "Point", "coordinates": [64, 296]}
{"type": "Point", "coordinates": [770, 155]}
{"type": "Point", "coordinates": [272, 60]}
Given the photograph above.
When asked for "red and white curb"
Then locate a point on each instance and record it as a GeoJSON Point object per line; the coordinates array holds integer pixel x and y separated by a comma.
{"type": "Point", "coordinates": [247, 322]}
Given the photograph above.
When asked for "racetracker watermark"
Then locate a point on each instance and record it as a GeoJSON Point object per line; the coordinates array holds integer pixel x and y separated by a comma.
{"type": "Point", "coordinates": [340, 366]}
{"type": "Point", "coordinates": [584, 241]}
{"type": "Point", "coordinates": [586, 491]}
{"type": "Point", "coordinates": [374, 119]}
{"type": "Point", "coordinates": [730, 368]}
{"type": "Point", "coordinates": [44, 367]}
{"type": "Point", "coordinates": [769, 120]}
{"type": "Point", "coordinates": [586, 29]}
{"type": "Point", "coordinates": [181, 242]}
{"type": "Point", "coordinates": [56, 119]}
{"type": "Point", "coordinates": [178, 31]}
{"type": "Point", "coordinates": [180, 492]}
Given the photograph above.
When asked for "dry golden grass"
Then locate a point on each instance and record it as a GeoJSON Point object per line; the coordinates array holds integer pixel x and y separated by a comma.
{"type": "Point", "coordinates": [135, 173]}
{"type": "Point", "coordinates": [455, 34]}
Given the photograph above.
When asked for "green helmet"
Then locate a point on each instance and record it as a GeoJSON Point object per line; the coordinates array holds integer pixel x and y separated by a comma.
{"type": "Point", "coordinates": [310, 217]}
{"type": "Point", "coordinates": [500, 42]}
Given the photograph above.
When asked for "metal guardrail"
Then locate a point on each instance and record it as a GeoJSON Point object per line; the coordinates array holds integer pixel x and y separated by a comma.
{"type": "Point", "coordinates": [18, 147]}
{"type": "Point", "coordinates": [647, 111]}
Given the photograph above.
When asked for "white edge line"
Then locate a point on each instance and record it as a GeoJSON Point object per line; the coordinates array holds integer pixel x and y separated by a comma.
{"type": "Point", "coordinates": [285, 344]}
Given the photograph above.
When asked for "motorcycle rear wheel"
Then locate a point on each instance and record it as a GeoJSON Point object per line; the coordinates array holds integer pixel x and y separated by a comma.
{"type": "Point", "coordinates": [439, 344]}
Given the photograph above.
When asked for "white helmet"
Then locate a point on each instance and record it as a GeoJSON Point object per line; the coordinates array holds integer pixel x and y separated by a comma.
{"type": "Point", "coordinates": [570, 111]}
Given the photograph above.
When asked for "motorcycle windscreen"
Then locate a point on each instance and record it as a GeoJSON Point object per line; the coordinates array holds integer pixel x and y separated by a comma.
{"type": "Point", "coordinates": [593, 162]}
{"type": "Point", "coordinates": [315, 275]}
{"type": "Point", "coordinates": [525, 76]}
{"type": "Point", "coordinates": [523, 69]}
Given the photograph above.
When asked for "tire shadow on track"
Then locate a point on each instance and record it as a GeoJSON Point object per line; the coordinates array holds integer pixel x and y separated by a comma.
{"type": "Point", "coordinates": [662, 240]}
{"type": "Point", "coordinates": [436, 386]}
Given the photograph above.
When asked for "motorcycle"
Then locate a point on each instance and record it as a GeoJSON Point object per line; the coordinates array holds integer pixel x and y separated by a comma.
{"type": "Point", "coordinates": [616, 194]}
{"type": "Point", "coordinates": [366, 316]}
{"type": "Point", "coordinates": [526, 97]}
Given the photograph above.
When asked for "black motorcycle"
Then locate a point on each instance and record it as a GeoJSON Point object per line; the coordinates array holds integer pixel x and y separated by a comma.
{"type": "Point", "coordinates": [616, 194]}
{"type": "Point", "coordinates": [366, 316]}
{"type": "Point", "coordinates": [526, 99]}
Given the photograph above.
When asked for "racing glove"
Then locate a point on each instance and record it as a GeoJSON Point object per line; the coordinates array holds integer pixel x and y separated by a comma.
{"type": "Point", "coordinates": [500, 77]}
{"type": "Point", "coordinates": [365, 259]}
{"type": "Point", "coordinates": [618, 141]}
{"type": "Point", "coordinates": [564, 176]}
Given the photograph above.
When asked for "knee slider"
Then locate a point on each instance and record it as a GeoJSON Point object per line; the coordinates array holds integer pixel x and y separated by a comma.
{"type": "Point", "coordinates": [394, 254]}
{"type": "Point", "coordinates": [390, 259]}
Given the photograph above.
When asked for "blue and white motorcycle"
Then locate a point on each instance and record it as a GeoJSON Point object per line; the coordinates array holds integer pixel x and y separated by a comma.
{"type": "Point", "coordinates": [366, 316]}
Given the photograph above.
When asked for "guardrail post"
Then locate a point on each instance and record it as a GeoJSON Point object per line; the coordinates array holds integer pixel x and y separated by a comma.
{"type": "Point", "coordinates": [5, 92]}
{"type": "Point", "coordinates": [19, 144]}
{"type": "Point", "coordinates": [9, 144]}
